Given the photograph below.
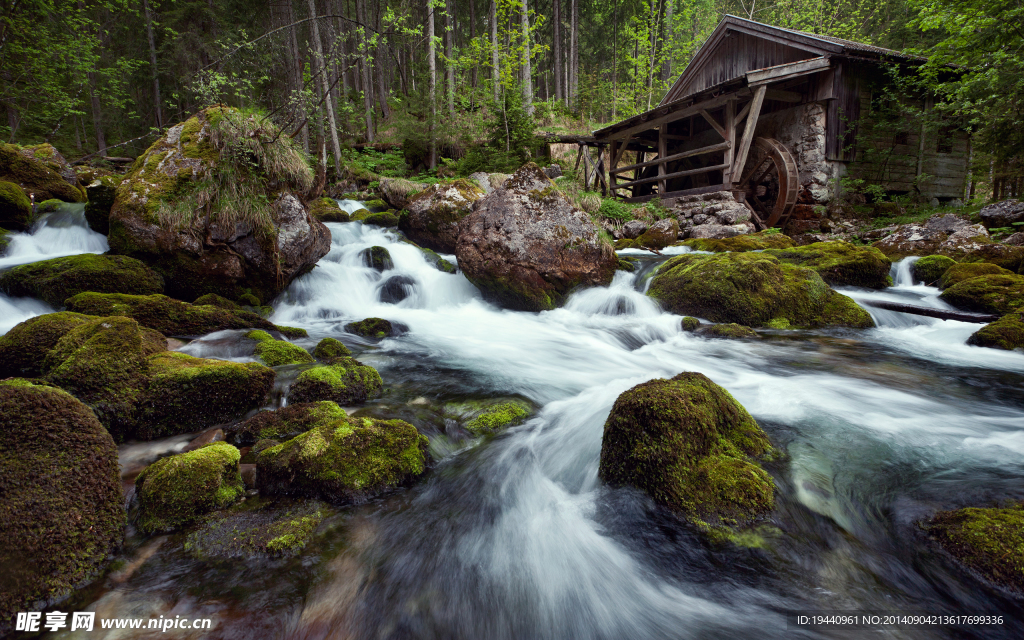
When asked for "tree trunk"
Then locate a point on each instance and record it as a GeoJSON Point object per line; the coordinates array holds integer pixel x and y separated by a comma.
{"type": "Point", "coordinates": [296, 73]}
{"type": "Point", "coordinates": [449, 51]}
{"type": "Point", "coordinates": [97, 113]}
{"type": "Point", "coordinates": [364, 64]}
{"type": "Point", "coordinates": [152, 62]}
{"type": "Point", "coordinates": [574, 52]}
{"type": "Point", "coordinates": [432, 69]}
{"type": "Point", "coordinates": [320, 71]}
{"type": "Point", "coordinates": [382, 72]}
{"type": "Point", "coordinates": [472, 36]}
{"type": "Point", "coordinates": [667, 47]}
{"type": "Point", "coordinates": [527, 69]}
{"type": "Point", "coordinates": [557, 42]}
{"type": "Point", "coordinates": [495, 74]}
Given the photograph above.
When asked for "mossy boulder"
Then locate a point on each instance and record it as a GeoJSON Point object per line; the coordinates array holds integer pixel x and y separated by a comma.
{"type": "Point", "coordinates": [377, 258]}
{"type": "Point", "coordinates": [660, 234]}
{"type": "Point", "coordinates": [58, 279]}
{"type": "Point", "coordinates": [751, 242]}
{"type": "Point", "coordinates": [1003, 255]}
{"type": "Point", "coordinates": [840, 263]}
{"type": "Point", "coordinates": [177, 491]}
{"type": "Point", "coordinates": [371, 328]}
{"type": "Point", "coordinates": [23, 349]}
{"type": "Point", "coordinates": [330, 350]}
{"type": "Point", "coordinates": [256, 528]}
{"type": "Point", "coordinates": [101, 193]}
{"type": "Point", "coordinates": [39, 175]}
{"type": "Point", "coordinates": [436, 261]}
{"type": "Point", "coordinates": [729, 330]}
{"type": "Point", "coordinates": [689, 445]}
{"type": "Point", "coordinates": [435, 212]}
{"type": "Point", "coordinates": [169, 316]}
{"type": "Point", "coordinates": [347, 461]}
{"type": "Point", "coordinates": [753, 289]}
{"type": "Point", "coordinates": [989, 541]}
{"type": "Point", "coordinates": [5, 241]}
{"type": "Point", "coordinates": [15, 207]}
{"type": "Point", "coordinates": [959, 272]}
{"type": "Point", "coordinates": [930, 268]}
{"type": "Point", "coordinates": [328, 210]}
{"type": "Point", "coordinates": [102, 362]}
{"type": "Point", "coordinates": [275, 353]}
{"type": "Point", "coordinates": [997, 294]}
{"type": "Point", "coordinates": [62, 512]}
{"type": "Point", "coordinates": [397, 192]}
{"type": "Point", "coordinates": [498, 418]}
{"type": "Point", "coordinates": [214, 300]}
{"type": "Point", "coordinates": [1005, 333]}
{"type": "Point", "coordinates": [382, 219]}
{"type": "Point", "coordinates": [689, 324]}
{"type": "Point", "coordinates": [346, 381]}
{"type": "Point", "coordinates": [215, 206]}
{"type": "Point", "coordinates": [625, 265]}
{"type": "Point", "coordinates": [285, 423]}
{"type": "Point", "coordinates": [186, 394]}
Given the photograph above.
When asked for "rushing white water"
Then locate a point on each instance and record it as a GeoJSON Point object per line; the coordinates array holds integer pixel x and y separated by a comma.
{"type": "Point", "coordinates": [350, 206]}
{"type": "Point", "coordinates": [61, 233]}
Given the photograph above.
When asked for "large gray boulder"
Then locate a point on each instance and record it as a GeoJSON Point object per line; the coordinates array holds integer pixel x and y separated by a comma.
{"type": "Point", "coordinates": [1002, 214]}
{"type": "Point", "coordinates": [434, 214]}
{"type": "Point", "coordinates": [526, 247]}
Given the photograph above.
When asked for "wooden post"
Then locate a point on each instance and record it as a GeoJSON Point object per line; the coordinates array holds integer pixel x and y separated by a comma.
{"type": "Point", "coordinates": [730, 136]}
{"type": "Point", "coordinates": [613, 161]}
{"type": "Point", "coordinates": [662, 152]}
{"type": "Point", "coordinates": [748, 132]}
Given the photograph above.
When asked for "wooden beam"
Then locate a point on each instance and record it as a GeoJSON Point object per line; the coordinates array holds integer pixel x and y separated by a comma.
{"type": "Point", "coordinates": [673, 176]}
{"type": "Point", "coordinates": [748, 130]}
{"type": "Point", "coordinates": [662, 152]}
{"type": "Point", "coordinates": [613, 159]}
{"type": "Point", "coordinates": [711, 121]}
{"type": "Point", "coordinates": [730, 137]}
{"type": "Point", "coordinates": [678, 194]}
{"type": "Point", "coordinates": [743, 112]}
{"type": "Point", "coordinates": [786, 71]}
{"type": "Point", "coordinates": [678, 114]}
{"type": "Point", "coordinates": [721, 146]}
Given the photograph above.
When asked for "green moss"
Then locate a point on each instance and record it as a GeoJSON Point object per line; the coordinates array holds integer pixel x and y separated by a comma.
{"type": "Point", "coordinates": [626, 265]}
{"type": "Point", "coordinates": [36, 177]}
{"type": "Point", "coordinates": [215, 300]}
{"type": "Point", "coordinates": [778, 323]}
{"type": "Point", "coordinates": [246, 299]}
{"type": "Point", "coordinates": [436, 261]}
{"type": "Point", "coordinates": [960, 272]}
{"type": "Point", "coordinates": [749, 242]}
{"type": "Point", "coordinates": [730, 330]}
{"type": "Point", "coordinates": [360, 214]}
{"type": "Point", "coordinates": [370, 328]}
{"type": "Point", "coordinates": [753, 289]}
{"type": "Point", "coordinates": [382, 219]}
{"type": "Point", "coordinates": [187, 394]}
{"type": "Point", "coordinates": [15, 208]}
{"type": "Point", "coordinates": [23, 349]}
{"type": "Point", "coordinates": [254, 528]}
{"type": "Point", "coordinates": [61, 511]}
{"type": "Point", "coordinates": [626, 243]}
{"type": "Point", "coordinates": [377, 258]}
{"type": "Point", "coordinates": [330, 350]}
{"type": "Point", "coordinates": [292, 332]}
{"type": "Point", "coordinates": [5, 241]}
{"type": "Point", "coordinates": [498, 418]}
{"type": "Point", "coordinates": [1005, 333]}
{"type": "Point", "coordinates": [328, 210]}
{"type": "Point", "coordinates": [376, 205]}
{"type": "Point", "coordinates": [347, 461]}
{"type": "Point", "coordinates": [275, 353]}
{"type": "Point", "coordinates": [286, 423]}
{"type": "Point", "coordinates": [689, 445]}
{"type": "Point", "coordinates": [346, 381]}
{"type": "Point", "coordinates": [58, 279]}
{"type": "Point", "coordinates": [840, 263]}
{"type": "Point", "coordinates": [990, 541]}
{"type": "Point", "coordinates": [998, 294]}
{"type": "Point", "coordinates": [435, 212]}
{"type": "Point", "coordinates": [177, 491]}
{"type": "Point", "coordinates": [930, 268]}
{"type": "Point", "coordinates": [690, 323]}
{"type": "Point", "coordinates": [656, 238]}
{"type": "Point", "coordinates": [1006, 256]}
{"type": "Point", "coordinates": [48, 206]}
{"type": "Point", "coordinates": [101, 193]}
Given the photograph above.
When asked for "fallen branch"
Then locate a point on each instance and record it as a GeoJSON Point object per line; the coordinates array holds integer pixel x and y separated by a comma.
{"type": "Point", "coordinates": [942, 314]}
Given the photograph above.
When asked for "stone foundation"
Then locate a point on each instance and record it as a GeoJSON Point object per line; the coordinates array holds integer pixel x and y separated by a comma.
{"type": "Point", "coordinates": [802, 130]}
{"type": "Point", "coordinates": [716, 213]}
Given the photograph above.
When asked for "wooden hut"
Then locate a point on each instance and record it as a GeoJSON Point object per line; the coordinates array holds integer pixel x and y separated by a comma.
{"type": "Point", "coordinates": [772, 115]}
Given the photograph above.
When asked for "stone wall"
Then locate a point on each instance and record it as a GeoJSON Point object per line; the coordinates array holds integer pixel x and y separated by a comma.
{"type": "Point", "coordinates": [710, 215]}
{"type": "Point", "coordinates": [802, 130]}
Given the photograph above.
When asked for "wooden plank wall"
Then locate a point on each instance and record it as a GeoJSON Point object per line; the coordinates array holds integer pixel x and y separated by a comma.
{"type": "Point", "coordinates": [737, 54]}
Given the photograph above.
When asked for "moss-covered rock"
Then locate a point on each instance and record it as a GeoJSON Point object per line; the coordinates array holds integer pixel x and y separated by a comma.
{"type": "Point", "coordinates": [498, 418]}
{"type": "Point", "coordinates": [348, 461]}
{"type": "Point", "coordinates": [256, 528]}
{"type": "Point", "coordinates": [963, 271]}
{"type": "Point", "coordinates": [178, 490]}
{"type": "Point", "coordinates": [58, 279]}
{"type": "Point", "coordinates": [172, 317]}
{"type": "Point", "coordinates": [930, 268]}
{"type": "Point", "coordinates": [625, 265]}
{"type": "Point", "coordinates": [377, 258]}
{"type": "Point", "coordinates": [689, 323]}
{"type": "Point", "coordinates": [1003, 255]}
{"type": "Point", "coordinates": [989, 541]}
{"type": "Point", "coordinates": [371, 328]}
{"type": "Point", "coordinates": [328, 210]}
{"type": "Point", "coordinates": [103, 363]}
{"type": "Point", "coordinates": [382, 219]}
{"type": "Point", "coordinates": [771, 239]}
{"type": "Point", "coordinates": [5, 241]}
{"type": "Point", "coordinates": [23, 349]}
{"type": "Point", "coordinates": [101, 193]}
{"type": "Point", "coordinates": [436, 261]}
{"type": "Point", "coordinates": [48, 206]}
{"type": "Point", "coordinates": [840, 263]}
{"type": "Point", "coordinates": [689, 445]}
{"type": "Point", "coordinates": [434, 214]}
{"type": "Point", "coordinates": [39, 175]}
{"type": "Point", "coordinates": [186, 394]}
{"type": "Point", "coordinates": [346, 381]}
{"type": "Point", "coordinates": [61, 511]}
{"type": "Point", "coordinates": [330, 350]}
{"type": "Point", "coordinates": [286, 423]}
{"type": "Point", "coordinates": [15, 208]}
{"type": "Point", "coordinates": [275, 353]}
{"type": "Point", "coordinates": [1005, 333]}
{"type": "Point", "coordinates": [753, 289]}
{"type": "Point", "coordinates": [212, 299]}
{"type": "Point", "coordinates": [660, 234]}
{"type": "Point", "coordinates": [729, 330]}
{"type": "Point", "coordinates": [997, 294]}
{"type": "Point", "coordinates": [398, 192]}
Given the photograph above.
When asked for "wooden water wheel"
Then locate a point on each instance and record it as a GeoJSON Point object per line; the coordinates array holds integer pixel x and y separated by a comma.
{"type": "Point", "coordinates": [770, 182]}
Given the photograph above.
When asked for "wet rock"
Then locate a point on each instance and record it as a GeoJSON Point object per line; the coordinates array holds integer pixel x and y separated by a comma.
{"type": "Point", "coordinates": [713, 231]}
{"type": "Point", "coordinates": [1005, 256]}
{"type": "Point", "coordinates": [346, 462]}
{"type": "Point", "coordinates": [1005, 333]}
{"type": "Point", "coordinates": [63, 511]}
{"type": "Point", "coordinates": [690, 324]}
{"type": "Point", "coordinates": [207, 437]}
{"type": "Point", "coordinates": [960, 272]}
{"type": "Point", "coordinates": [58, 279]}
{"type": "Point", "coordinates": [840, 263]}
{"type": "Point", "coordinates": [752, 289]}
{"type": "Point", "coordinates": [553, 171]}
{"type": "Point", "coordinates": [634, 229]}
{"type": "Point", "coordinates": [930, 268]}
{"type": "Point", "coordinates": [15, 208]}
{"type": "Point", "coordinates": [275, 353]}
{"type": "Point", "coordinates": [749, 242]}
{"type": "Point", "coordinates": [248, 473]}
{"type": "Point", "coordinates": [1015, 240]}
{"type": "Point", "coordinates": [285, 423]}
{"type": "Point", "coordinates": [378, 259]}
{"type": "Point", "coordinates": [259, 529]}
{"type": "Point", "coordinates": [380, 219]}
{"type": "Point", "coordinates": [41, 172]}
{"type": "Point", "coordinates": [989, 541]}
{"type": "Point", "coordinates": [660, 235]}
{"type": "Point", "coordinates": [329, 350]}
{"type": "Point", "coordinates": [397, 191]}
{"type": "Point", "coordinates": [23, 349]}
{"type": "Point", "coordinates": [526, 247]}
{"type": "Point", "coordinates": [691, 447]}
{"type": "Point", "coordinates": [996, 294]}
{"type": "Point", "coordinates": [1002, 214]}
{"type": "Point", "coordinates": [101, 193]}
{"type": "Point", "coordinates": [498, 418]}
{"type": "Point", "coordinates": [178, 490]}
{"type": "Point", "coordinates": [371, 328]}
{"type": "Point", "coordinates": [346, 381]}
{"type": "Point", "coordinates": [949, 223]}
{"type": "Point", "coordinates": [256, 235]}
{"type": "Point", "coordinates": [395, 289]}
{"type": "Point", "coordinates": [730, 331]}
{"type": "Point", "coordinates": [920, 240]}
{"type": "Point", "coordinates": [435, 212]}
{"type": "Point", "coordinates": [328, 210]}
{"type": "Point", "coordinates": [436, 261]}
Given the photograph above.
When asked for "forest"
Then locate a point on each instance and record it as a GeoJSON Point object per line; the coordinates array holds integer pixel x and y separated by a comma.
{"type": "Point", "coordinates": [100, 78]}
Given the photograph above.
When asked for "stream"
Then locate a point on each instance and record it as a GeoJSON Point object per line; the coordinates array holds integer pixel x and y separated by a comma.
{"type": "Point", "coordinates": [513, 536]}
